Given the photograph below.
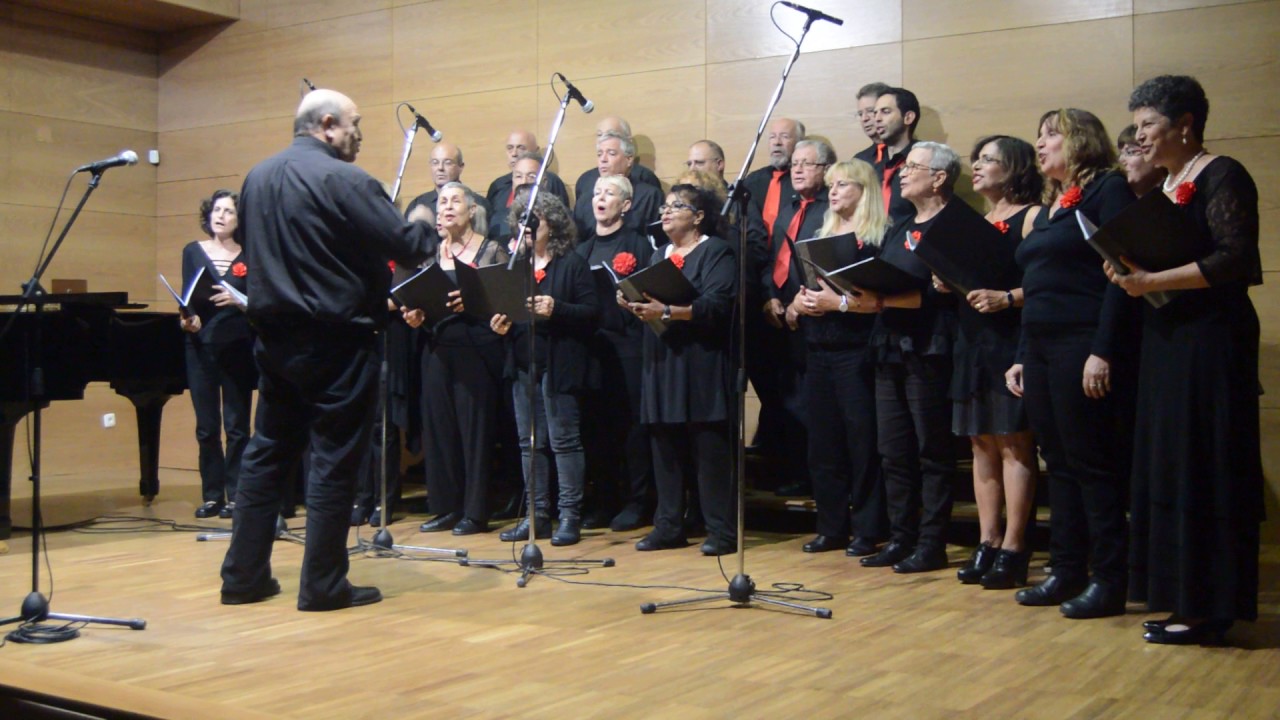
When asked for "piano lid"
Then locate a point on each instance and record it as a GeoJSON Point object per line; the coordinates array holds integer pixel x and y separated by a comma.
{"type": "Point", "coordinates": [115, 299]}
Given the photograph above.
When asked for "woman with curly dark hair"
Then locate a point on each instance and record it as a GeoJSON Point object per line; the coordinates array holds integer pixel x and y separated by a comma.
{"type": "Point", "coordinates": [565, 314]}
{"type": "Point", "coordinates": [1197, 470]}
{"type": "Point", "coordinates": [219, 354]}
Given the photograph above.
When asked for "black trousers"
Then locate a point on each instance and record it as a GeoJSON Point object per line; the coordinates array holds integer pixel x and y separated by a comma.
{"type": "Point", "coordinates": [384, 455]}
{"type": "Point", "coordinates": [317, 386]}
{"type": "Point", "coordinates": [221, 377]}
{"type": "Point", "coordinates": [707, 447]}
{"type": "Point", "coordinates": [619, 456]}
{"type": "Point", "coordinates": [916, 449]}
{"type": "Point", "coordinates": [1078, 440]}
{"type": "Point", "coordinates": [461, 386]}
{"type": "Point", "coordinates": [840, 388]}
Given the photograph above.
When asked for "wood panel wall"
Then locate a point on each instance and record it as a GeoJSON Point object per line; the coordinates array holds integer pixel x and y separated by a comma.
{"type": "Point", "coordinates": [678, 70]}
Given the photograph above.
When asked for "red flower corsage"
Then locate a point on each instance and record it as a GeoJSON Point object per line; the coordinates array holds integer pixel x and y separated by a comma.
{"type": "Point", "coordinates": [624, 263]}
{"type": "Point", "coordinates": [539, 275]}
{"type": "Point", "coordinates": [239, 270]}
{"type": "Point", "coordinates": [913, 238]}
{"type": "Point", "coordinates": [1002, 226]}
{"type": "Point", "coordinates": [391, 265]}
{"type": "Point", "coordinates": [1184, 193]}
{"type": "Point", "coordinates": [1070, 197]}
{"type": "Point", "coordinates": [678, 261]}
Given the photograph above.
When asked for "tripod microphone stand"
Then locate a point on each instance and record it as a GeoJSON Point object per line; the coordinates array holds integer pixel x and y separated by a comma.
{"type": "Point", "coordinates": [35, 608]}
{"type": "Point", "coordinates": [742, 589]}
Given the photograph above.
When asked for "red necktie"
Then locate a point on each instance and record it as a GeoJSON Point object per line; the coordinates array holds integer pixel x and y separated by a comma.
{"type": "Point", "coordinates": [511, 196]}
{"type": "Point", "coordinates": [782, 263]}
{"type": "Point", "coordinates": [771, 199]}
{"type": "Point", "coordinates": [879, 152]}
{"type": "Point", "coordinates": [886, 189]}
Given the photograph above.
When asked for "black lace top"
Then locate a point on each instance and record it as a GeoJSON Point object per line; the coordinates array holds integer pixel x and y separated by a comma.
{"type": "Point", "coordinates": [1225, 206]}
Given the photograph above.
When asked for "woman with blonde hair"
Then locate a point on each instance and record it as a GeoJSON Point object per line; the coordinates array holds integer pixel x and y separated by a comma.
{"type": "Point", "coordinates": [840, 378]}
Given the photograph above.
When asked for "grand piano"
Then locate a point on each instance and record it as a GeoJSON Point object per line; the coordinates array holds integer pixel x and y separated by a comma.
{"type": "Point", "coordinates": [84, 338]}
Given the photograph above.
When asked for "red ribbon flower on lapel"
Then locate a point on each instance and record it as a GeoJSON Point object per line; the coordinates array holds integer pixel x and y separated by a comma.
{"type": "Point", "coordinates": [677, 260]}
{"type": "Point", "coordinates": [913, 237]}
{"type": "Point", "coordinates": [1070, 197]}
{"type": "Point", "coordinates": [1002, 226]}
{"type": "Point", "coordinates": [539, 275]}
{"type": "Point", "coordinates": [391, 265]}
{"type": "Point", "coordinates": [1184, 193]}
{"type": "Point", "coordinates": [239, 270]}
{"type": "Point", "coordinates": [624, 263]}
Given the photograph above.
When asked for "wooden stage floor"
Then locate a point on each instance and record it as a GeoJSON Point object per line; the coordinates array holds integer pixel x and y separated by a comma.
{"type": "Point", "coordinates": [465, 642]}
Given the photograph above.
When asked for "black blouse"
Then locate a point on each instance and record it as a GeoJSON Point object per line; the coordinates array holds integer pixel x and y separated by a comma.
{"type": "Point", "coordinates": [927, 330]}
{"type": "Point", "coordinates": [561, 340]}
{"type": "Point", "coordinates": [217, 324]}
{"type": "Point", "coordinates": [622, 329]}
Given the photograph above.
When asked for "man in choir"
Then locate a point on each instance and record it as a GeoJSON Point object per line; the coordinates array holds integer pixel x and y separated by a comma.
{"type": "Point", "coordinates": [707, 156]}
{"type": "Point", "coordinates": [867, 96]}
{"type": "Point", "coordinates": [520, 144]}
{"type": "Point", "coordinates": [897, 113]}
{"type": "Point", "coordinates": [800, 216]}
{"type": "Point", "coordinates": [638, 175]}
{"type": "Point", "coordinates": [318, 232]}
{"type": "Point", "coordinates": [616, 155]}
{"type": "Point", "coordinates": [446, 167]}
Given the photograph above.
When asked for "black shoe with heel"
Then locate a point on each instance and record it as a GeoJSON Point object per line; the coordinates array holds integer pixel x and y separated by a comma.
{"type": "Point", "coordinates": [889, 554]}
{"type": "Point", "coordinates": [1009, 570]}
{"type": "Point", "coordinates": [983, 558]}
{"type": "Point", "coordinates": [1177, 632]}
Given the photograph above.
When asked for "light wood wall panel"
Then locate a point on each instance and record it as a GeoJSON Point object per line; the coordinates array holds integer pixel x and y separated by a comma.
{"type": "Point", "coordinates": [587, 39]}
{"type": "Point", "coordinates": [220, 150]}
{"type": "Point", "coordinates": [742, 30]}
{"type": "Point", "coordinates": [1154, 6]}
{"type": "Point", "coordinates": [936, 18]}
{"type": "Point", "coordinates": [821, 94]}
{"type": "Point", "coordinates": [282, 13]}
{"type": "Point", "coordinates": [960, 105]}
{"type": "Point", "coordinates": [1233, 50]}
{"type": "Point", "coordinates": [112, 251]}
{"type": "Point", "coordinates": [440, 49]}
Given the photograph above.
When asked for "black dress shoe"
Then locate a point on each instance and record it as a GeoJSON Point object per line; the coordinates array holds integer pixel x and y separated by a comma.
{"type": "Point", "coordinates": [520, 532]}
{"type": "Point", "coordinates": [467, 526]}
{"type": "Point", "coordinates": [1208, 632]}
{"type": "Point", "coordinates": [597, 519]}
{"type": "Point", "coordinates": [227, 510]}
{"type": "Point", "coordinates": [1009, 570]}
{"type": "Point", "coordinates": [375, 517]}
{"type": "Point", "coordinates": [271, 589]}
{"type": "Point", "coordinates": [569, 533]}
{"type": "Point", "coordinates": [440, 523]}
{"type": "Point", "coordinates": [983, 558]}
{"type": "Point", "coordinates": [359, 515]}
{"type": "Point", "coordinates": [631, 518]}
{"type": "Point", "coordinates": [824, 543]}
{"type": "Point", "coordinates": [358, 596]}
{"type": "Point", "coordinates": [719, 546]}
{"type": "Point", "coordinates": [653, 541]}
{"type": "Point", "coordinates": [1099, 599]}
{"type": "Point", "coordinates": [794, 490]}
{"type": "Point", "coordinates": [888, 555]}
{"type": "Point", "coordinates": [1055, 590]}
{"type": "Point", "coordinates": [924, 559]}
{"type": "Point", "coordinates": [861, 546]}
{"type": "Point", "coordinates": [1160, 624]}
{"type": "Point", "coordinates": [209, 509]}
{"type": "Point", "coordinates": [511, 510]}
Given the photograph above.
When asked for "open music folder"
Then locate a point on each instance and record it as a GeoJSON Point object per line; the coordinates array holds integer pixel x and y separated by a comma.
{"type": "Point", "coordinates": [426, 289]}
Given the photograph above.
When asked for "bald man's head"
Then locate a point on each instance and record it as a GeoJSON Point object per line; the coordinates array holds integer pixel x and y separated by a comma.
{"type": "Point", "coordinates": [446, 164]}
{"type": "Point", "coordinates": [332, 118]}
{"type": "Point", "coordinates": [520, 142]}
{"type": "Point", "coordinates": [613, 123]}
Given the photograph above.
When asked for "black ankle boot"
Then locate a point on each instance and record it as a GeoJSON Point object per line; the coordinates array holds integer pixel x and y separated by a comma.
{"type": "Point", "coordinates": [1099, 599]}
{"type": "Point", "coordinates": [1009, 570]}
{"type": "Point", "coordinates": [521, 531]}
{"type": "Point", "coordinates": [1055, 590]}
{"type": "Point", "coordinates": [984, 556]}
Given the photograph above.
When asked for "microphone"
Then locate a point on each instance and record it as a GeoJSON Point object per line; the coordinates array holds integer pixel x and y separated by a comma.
{"type": "Point", "coordinates": [813, 14]}
{"type": "Point", "coordinates": [308, 84]}
{"type": "Point", "coordinates": [576, 94]}
{"type": "Point", "coordinates": [425, 124]}
{"type": "Point", "coordinates": [126, 157]}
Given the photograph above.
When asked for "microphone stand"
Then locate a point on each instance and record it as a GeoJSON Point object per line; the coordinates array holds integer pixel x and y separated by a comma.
{"type": "Point", "coordinates": [35, 608]}
{"type": "Point", "coordinates": [742, 589]}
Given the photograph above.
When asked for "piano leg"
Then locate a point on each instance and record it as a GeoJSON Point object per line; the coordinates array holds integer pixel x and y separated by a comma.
{"type": "Point", "coordinates": [149, 407]}
{"type": "Point", "coordinates": [6, 474]}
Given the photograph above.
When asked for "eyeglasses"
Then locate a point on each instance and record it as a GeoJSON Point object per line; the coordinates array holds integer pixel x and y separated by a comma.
{"type": "Point", "coordinates": [805, 164]}
{"type": "Point", "coordinates": [674, 207]}
{"type": "Point", "coordinates": [912, 167]}
{"type": "Point", "coordinates": [988, 160]}
{"type": "Point", "coordinates": [1132, 151]}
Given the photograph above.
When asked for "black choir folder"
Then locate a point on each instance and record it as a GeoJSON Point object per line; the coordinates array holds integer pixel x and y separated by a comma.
{"type": "Point", "coordinates": [426, 290]}
{"type": "Point", "coordinates": [200, 289]}
{"type": "Point", "coordinates": [1152, 232]}
{"type": "Point", "coordinates": [833, 251]}
{"type": "Point", "coordinates": [966, 252]}
{"type": "Point", "coordinates": [495, 290]}
{"type": "Point", "coordinates": [878, 276]}
{"type": "Point", "coordinates": [663, 282]}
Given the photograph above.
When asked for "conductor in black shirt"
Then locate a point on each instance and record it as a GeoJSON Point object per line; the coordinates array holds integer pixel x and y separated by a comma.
{"type": "Point", "coordinates": [319, 232]}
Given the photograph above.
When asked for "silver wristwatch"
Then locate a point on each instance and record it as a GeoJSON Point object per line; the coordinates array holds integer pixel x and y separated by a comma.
{"type": "Point", "coordinates": [844, 303]}
{"type": "Point", "coordinates": [666, 313]}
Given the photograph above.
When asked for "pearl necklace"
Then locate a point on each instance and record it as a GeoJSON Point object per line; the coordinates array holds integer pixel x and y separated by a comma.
{"type": "Point", "coordinates": [1186, 170]}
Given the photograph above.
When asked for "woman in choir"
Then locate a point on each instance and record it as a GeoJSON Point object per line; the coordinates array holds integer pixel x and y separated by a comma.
{"type": "Point", "coordinates": [840, 376]}
{"type": "Point", "coordinates": [1142, 174]}
{"type": "Point", "coordinates": [1197, 472]}
{"type": "Point", "coordinates": [566, 312]}
{"type": "Point", "coordinates": [219, 355]}
{"type": "Point", "coordinates": [1004, 453]}
{"type": "Point", "coordinates": [461, 379]}
{"type": "Point", "coordinates": [1069, 369]}
{"type": "Point", "coordinates": [912, 346]}
{"type": "Point", "coordinates": [686, 393]}
{"type": "Point", "coordinates": [619, 459]}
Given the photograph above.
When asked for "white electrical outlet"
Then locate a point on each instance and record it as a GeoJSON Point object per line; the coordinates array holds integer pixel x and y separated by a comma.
{"type": "Point", "coordinates": [109, 420]}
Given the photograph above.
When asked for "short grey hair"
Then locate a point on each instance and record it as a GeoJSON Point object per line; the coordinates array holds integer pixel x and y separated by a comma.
{"type": "Point", "coordinates": [826, 154]}
{"type": "Point", "coordinates": [619, 183]}
{"type": "Point", "coordinates": [943, 158]}
{"type": "Point", "coordinates": [479, 220]}
{"type": "Point", "coordinates": [530, 155]}
{"type": "Point", "coordinates": [628, 145]}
